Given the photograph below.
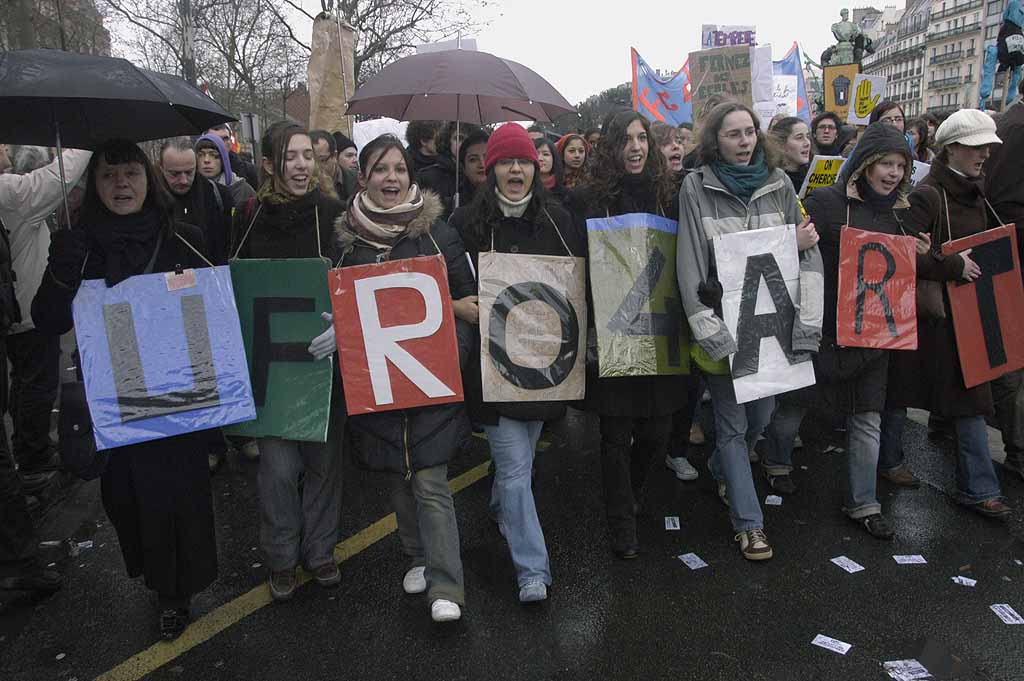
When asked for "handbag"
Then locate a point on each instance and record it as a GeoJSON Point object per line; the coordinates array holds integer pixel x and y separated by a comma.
{"type": "Point", "coordinates": [930, 301]}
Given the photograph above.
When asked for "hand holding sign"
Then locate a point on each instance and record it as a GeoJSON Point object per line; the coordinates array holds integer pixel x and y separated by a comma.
{"type": "Point", "coordinates": [971, 269]}
{"type": "Point", "coordinates": [324, 345]}
{"type": "Point", "coordinates": [924, 243]}
{"type": "Point", "coordinates": [467, 309]}
{"type": "Point", "coordinates": [806, 235]}
{"type": "Point", "coordinates": [863, 103]}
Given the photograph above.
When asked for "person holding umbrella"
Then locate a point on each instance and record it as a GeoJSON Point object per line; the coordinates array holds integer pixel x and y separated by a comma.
{"type": "Point", "coordinates": [156, 493]}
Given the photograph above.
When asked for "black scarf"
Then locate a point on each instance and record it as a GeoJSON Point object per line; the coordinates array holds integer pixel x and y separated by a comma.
{"type": "Point", "coordinates": [878, 202]}
{"type": "Point", "coordinates": [638, 194]}
{"type": "Point", "coordinates": [124, 244]}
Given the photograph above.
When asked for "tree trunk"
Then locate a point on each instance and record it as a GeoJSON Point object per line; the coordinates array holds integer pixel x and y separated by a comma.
{"type": "Point", "coordinates": [22, 32]}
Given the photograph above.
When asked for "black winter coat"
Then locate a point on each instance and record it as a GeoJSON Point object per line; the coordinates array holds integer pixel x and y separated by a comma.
{"type": "Point", "coordinates": [532, 234]}
{"type": "Point", "coordinates": [208, 206]}
{"type": "Point", "coordinates": [287, 230]}
{"type": "Point", "coordinates": [635, 396]}
{"type": "Point", "coordinates": [157, 493]}
{"type": "Point", "coordinates": [440, 179]}
{"type": "Point", "coordinates": [408, 440]}
{"type": "Point", "coordinates": [10, 313]}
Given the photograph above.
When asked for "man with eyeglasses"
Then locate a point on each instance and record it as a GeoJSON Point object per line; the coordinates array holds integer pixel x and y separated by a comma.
{"type": "Point", "coordinates": [825, 129]}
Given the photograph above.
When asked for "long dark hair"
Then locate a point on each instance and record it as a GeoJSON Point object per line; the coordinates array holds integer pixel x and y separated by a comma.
{"type": "Point", "coordinates": [707, 147]}
{"type": "Point", "coordinates": [116, 152]}
{"type": "Point", "coordinates": [557, 169]}
{"type": "Point", "coordinates": [884, 107]}
{"type": "Point", "coordinates": [606, 172]}
{"type": "Point", "coordinates": [921, 126]}
{"type": "Point", "coordinates": [375, 150]}
{"type": "Point", "coordinates": [485, 211]}
{"type": "Point", "coordinates": [274, 147]}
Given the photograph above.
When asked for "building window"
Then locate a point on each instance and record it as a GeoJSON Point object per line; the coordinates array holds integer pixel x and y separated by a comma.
{"type": "Point", "coordinates": [992, 32]}
{"type": "Point", "coordinates": [994, 7]}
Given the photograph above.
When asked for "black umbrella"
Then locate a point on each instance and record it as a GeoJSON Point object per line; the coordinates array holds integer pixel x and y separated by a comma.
{"type": "Point", "coordinates": [82, 101]}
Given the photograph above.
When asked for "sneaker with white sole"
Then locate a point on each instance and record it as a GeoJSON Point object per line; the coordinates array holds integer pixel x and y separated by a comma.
{"type": "Point", "coordinates": [681, 467]}
{"type": "Point", "coordinates": [415, 581]}
{"type": "Point", "coordinates": [251, 450]}
{"type": "Point", "coordinates": [754, 545]}
{"type": "Point", "coordinates": [532, 592]}
{"type": "Point", "coordinates": [445, 611]}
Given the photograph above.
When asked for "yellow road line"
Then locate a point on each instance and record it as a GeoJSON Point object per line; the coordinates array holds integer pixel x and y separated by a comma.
{"type": "Point", "coordinates": [232, 612]}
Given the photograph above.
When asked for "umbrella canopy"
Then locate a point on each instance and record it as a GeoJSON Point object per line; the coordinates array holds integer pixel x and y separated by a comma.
{"type": "Point", "coordinates": [459, 85]}
{"type": "Point", "coordinates": [94, 99]}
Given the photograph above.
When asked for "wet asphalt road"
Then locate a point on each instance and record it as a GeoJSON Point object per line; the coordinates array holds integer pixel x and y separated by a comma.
{"type": "Point", "coordinates": [651, 618]}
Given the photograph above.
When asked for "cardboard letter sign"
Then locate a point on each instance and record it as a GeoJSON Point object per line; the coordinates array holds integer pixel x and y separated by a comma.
{"type": "Point", "coordinates": [396, 335]}
{"type": "Point", "coordinates": [280, 303]}
{"type": "Point", "coordinates": [868, 91]}
{"type": "Point", "coordinates": [988, 313]}
{"type": "Point", "coordinates": [877, 291]}
{"type": "Point", "coordinates": [760, 274]}
{"type": "Point", "coordinates": [161, 359]}
{"type": "Point", "coordinates": [822, 172]}
{"type": "Point", "coordinates": [533, 327]}
{"type": "Point", "coordinates": [641, 329]}
{"type": "Point", "coordinates": [724, 71]}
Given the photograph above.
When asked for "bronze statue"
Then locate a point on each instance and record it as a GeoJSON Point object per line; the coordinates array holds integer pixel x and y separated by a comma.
{"type": "Point", "coordinates": [846, 33]}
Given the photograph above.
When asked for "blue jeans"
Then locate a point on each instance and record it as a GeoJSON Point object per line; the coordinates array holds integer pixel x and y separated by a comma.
{"type": "Point", "coordinates": [862, 442]}
{"type": "Point", "coordinates": [737, 427]}
{"type": "Point", "coordinates": [779, 438]}
{"type": "Point", "coordinates": [890, 446]}
{"type": "Point", "coordinates": [976, 479]}
{"type": "Point", "coordinates": [513, 444]}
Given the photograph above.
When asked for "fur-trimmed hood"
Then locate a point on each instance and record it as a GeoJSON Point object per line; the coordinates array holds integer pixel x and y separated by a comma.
{"type": "Point", "coordinates": [433, 209]}
{"type": "Point", "coordinates": [878, 141]}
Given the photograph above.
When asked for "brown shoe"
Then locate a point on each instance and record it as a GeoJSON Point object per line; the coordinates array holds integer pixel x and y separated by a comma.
{"type": "Point", "coordinates": [696, 434]}
{"type": "Point", "coordinates": [992, 508]}
{"type": "Point", "coordinates": [282, 584]}
{"type": "Point", "coordinates": [327, 575]}
{"type": "Point", "coordinates": [901, 476]}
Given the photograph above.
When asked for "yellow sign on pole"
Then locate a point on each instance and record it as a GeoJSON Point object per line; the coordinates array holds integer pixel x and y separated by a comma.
{"type": "Point", "coordinates": [823, 172]}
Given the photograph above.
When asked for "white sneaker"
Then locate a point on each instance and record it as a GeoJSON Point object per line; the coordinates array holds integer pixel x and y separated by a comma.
{"type": "Point", "coordinates": [533, 592]}
{"type": "Point", "coordinates": [251, 450]}
{"type": "Point", "coordinates": [415, 582]}
{"type": "Point", "coordinates": [445, 611]}
{"type": "Point", "coordinates": [681, 467]}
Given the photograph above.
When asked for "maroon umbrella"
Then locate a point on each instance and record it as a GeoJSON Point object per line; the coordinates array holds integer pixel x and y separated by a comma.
{"type": "Point", "coordinates": [459, 85]}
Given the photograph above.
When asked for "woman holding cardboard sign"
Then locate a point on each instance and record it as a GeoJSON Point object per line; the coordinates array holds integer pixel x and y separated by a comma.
{"type": "Point", "coordinates": [949, 204]}
{"type": "Point", "coordinates": [390, 218]}
{"type": "Point", "coordinates": [516, 216]}
{"type": "Point", "coordinates": [738, 188]}
{"type": "Point", "coordinates": [156, 493]}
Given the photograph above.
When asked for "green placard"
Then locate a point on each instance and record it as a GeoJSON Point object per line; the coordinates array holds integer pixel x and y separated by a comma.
{"type": "Point", "coordinates": [279, 306]}
{"type": "Point", "coordinates": [638, 314]}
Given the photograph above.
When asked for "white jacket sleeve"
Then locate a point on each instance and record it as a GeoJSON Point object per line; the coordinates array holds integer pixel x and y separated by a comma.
{"type": "Point", "coordinates": [29, 198]}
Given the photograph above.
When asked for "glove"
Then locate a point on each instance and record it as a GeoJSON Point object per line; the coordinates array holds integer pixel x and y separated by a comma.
{"type": "Point", "coordinates": [67, 255]}
{"type": "Point", "coordinates": [324, 345]}
{"type": "Point", "coordinates": [710, 294]}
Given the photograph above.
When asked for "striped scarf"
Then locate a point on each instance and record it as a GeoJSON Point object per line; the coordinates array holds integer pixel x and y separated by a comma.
{"type": "Point", "coordinates": [382, 227]}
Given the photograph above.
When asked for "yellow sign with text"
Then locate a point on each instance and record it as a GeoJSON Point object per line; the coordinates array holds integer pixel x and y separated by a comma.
{"type": "Point", "coordinates": [822, 172]}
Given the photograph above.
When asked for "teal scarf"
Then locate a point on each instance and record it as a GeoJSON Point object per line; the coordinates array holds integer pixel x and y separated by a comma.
{"type": "Point", "coordinates": [743, 181]}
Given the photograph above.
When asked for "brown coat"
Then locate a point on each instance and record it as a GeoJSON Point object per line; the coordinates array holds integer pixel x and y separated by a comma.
{"type": "Point", "coordinates": [931, 377]}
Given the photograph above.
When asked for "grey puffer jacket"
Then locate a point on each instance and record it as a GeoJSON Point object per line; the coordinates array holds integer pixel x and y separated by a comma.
{"type": "Point", "coordinates": [706, 210]}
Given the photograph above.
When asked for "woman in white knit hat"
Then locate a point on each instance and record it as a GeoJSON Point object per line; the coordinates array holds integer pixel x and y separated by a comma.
{"type": "Point", "coordinates": [948, 204]}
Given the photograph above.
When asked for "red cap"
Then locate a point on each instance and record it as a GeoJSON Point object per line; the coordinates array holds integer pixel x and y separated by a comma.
{"type": "Point", "coordinates": [509, 141]}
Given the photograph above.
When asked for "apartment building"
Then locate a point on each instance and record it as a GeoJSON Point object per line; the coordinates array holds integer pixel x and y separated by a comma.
{"type": "Point", "coordinates": [900, 55]}
{"type": "Point", "coordinates": [954, 43]}
{"type": "Point", "coordinates": [993, 19]}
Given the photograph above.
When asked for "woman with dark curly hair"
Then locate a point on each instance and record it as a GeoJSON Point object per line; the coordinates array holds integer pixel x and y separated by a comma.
{"type": "Point", "coordinates": [629, 175]}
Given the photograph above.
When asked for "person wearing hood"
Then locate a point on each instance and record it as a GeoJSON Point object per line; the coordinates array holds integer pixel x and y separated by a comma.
{"type": "Point", "coordinates": [826, 129]}
{"type": "Point", "coordinates": [738, 188]}
{"type": "Point", "coordinates": [516, 215]}
{"type": "Point", "coordinates": [949, 204]}
{"type": "Point", "coordinates": [299, 483]}
{"type": "Point", "coordinates": [629, 175]}
{"type": "Point", "coordinates": [871, 195]}
{"type": "Point", "coordinates": [157, 493]}
{"type": "Point", "coordinates": [390, 219]}
{"type": "Point", "coordinates": [240, 167]}
{"type": "Point", "coordinates": [214, 164]}
{"type": "Point", "coordinates": [443, 177]}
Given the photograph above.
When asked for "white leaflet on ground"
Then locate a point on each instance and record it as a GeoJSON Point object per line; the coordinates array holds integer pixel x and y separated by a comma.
{"type": "Point", "coordinates": [829, 643]}
{"type": "Point", "coordinates": [692, 561]}
{"type": "Point", "coordinates": [847, 564]}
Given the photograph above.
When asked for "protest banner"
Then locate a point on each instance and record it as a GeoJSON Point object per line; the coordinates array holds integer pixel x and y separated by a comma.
{"type": "Point", "coordinates": [279, 305]}
{"type": "Point", "coordinates": [877, 303]}
{"type": "Point", "coordinates": [822, 172]}
{"type": "Point", "coordinates": [784, 94]}
{"type": "Point", "coordinates": [723, 71]}
{"type": "Point", "coordinates": [713, 35]}
{"type": "Point", "coordinates": [867, 92]}
{"type": "Point", "coordinates": [760, 274]}
{"type": "Point", "coordinates": [667, 101]}
{"type": "Point", "coordinates": [839, 88]}
{"type": "Point", "coordinates": [988, 313]}
{"type": "Point", "coordinates": [161, 355]}
{"type": "Point", "coordinates": [396, 335]}
{"type": "Point", "coordinates": [792, 65]}
{"type": "Point", "coordinates": [533, 327]}
{"type": "Point", "coordinates": [641, 329]}
{"type": "Point", "coordinates": [921, 171]}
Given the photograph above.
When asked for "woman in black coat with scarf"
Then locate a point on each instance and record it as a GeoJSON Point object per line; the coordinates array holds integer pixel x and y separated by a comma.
{"type": "Point", "coordinates": [391, 219]}
{"type": "Point", "coordinates": [156, 493]}
{"type": "Point", "coordinates": [629, 175]}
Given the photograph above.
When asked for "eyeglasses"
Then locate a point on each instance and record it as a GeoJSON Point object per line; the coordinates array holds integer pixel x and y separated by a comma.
{"type": "Point", "coordinates": [826, 126]}
{"type": "Point", "coordinates": [892, 119]}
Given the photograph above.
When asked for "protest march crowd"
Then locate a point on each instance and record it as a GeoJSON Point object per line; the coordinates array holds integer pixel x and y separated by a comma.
{"type": "Point", "coordinates": [684, 261]}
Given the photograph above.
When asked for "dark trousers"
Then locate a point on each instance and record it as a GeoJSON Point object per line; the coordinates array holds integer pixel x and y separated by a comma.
{"type": "Point", "coordinates": [35, 373]}
{"type": "Point", "coordinates": [627, 447]}
{"type": "Point", "coordinates": [1008, 395]}
{"type": "Point", "coordinates": [17, 537]}
{"type": "Point", "coordinates": [683, 420]}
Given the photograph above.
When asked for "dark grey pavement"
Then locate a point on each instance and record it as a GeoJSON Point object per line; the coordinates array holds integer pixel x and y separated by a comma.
{"type": "Point", "coordinates": [651, 618]}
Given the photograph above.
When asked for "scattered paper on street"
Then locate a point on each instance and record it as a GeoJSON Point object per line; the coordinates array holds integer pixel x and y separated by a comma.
{"type": "Point", "coordinates": [906, 670]}
{"type": "Point", "coordinates": [773, 500]}
{"type": "Point", "coordinates": [671, 522]}
{"type": "Point", "coordinates": [847, 564]}
{"type": "Point", "coordinates": [832, 644]}
{"type": "Point", "coordinates": [964, 581]}
{"type": "Point", "coordinates": [692, 561]}
{"type": "Point", "coordinates": [1007, 614]}
{"type": "Point", "coordinates": [915, 559]}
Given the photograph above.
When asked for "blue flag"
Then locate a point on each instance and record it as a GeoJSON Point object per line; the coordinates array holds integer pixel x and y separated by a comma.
{"type": "Point", "coordinates": [790, 65]}
{"type": "Point", "coordinates": [669, 100]}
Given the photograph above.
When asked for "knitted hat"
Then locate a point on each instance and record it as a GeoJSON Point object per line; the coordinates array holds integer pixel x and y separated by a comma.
{"type": "Point", "coordinates": [509, 141]}
{"type": "Point", "coordinates": [969, 127]}
{"type": "Point", "coordinates": [342, 142]}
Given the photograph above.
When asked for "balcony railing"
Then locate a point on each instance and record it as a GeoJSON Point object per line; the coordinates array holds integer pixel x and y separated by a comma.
{"type": "Point", "coordinates": [969, 28]}
{"type": "Point", "coordinates": [951, 56]}
{"type": "Point", "coordinates": [944, 83]}
{"type": "Point", "coordinates": [944, 109]}
{"type": "Point", "coordinates": [906, 51]}
{"type": "Point", "coordinates": [957, 9]}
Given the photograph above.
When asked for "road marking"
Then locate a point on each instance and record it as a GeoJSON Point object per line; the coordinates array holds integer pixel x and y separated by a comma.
{"type": "Point", "coordinates": [234, 611]}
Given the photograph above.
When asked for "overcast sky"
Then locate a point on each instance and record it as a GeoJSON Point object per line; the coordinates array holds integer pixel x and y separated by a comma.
{"type": "Point", "coordinates": [582, 47]}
